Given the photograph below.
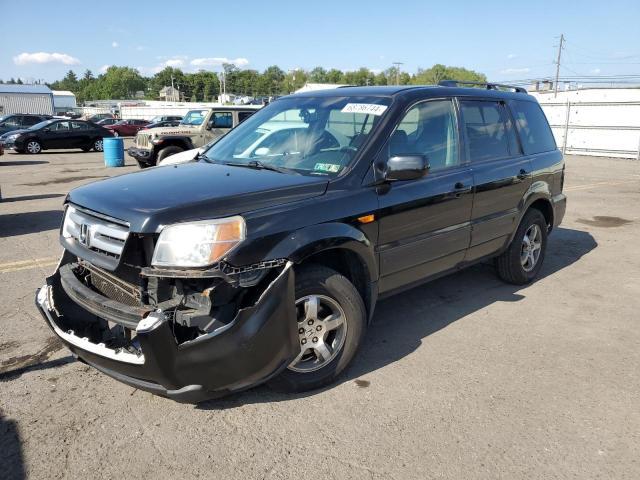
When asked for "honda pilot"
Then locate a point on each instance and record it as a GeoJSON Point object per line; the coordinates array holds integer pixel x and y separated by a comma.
{"type": "Point", "coordinates": [263, 260]}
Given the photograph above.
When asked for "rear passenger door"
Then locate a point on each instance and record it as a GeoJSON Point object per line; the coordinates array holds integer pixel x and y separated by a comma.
{"type": "Point", "coordinates": [501, 174]}
{"type": "Point", "coordinates": [424, 224]}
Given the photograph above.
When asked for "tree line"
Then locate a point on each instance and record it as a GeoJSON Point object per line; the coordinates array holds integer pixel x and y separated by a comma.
{"type": "Point", "coordinates": [204, 86]}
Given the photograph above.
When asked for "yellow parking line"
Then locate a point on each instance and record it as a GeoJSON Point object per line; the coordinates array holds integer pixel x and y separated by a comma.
{"type": "Point", "coordinates": [27, 264]}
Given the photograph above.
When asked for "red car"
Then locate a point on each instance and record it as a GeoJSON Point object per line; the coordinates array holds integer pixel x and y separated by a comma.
{"type": "Point", "coordinates": [126, 128]}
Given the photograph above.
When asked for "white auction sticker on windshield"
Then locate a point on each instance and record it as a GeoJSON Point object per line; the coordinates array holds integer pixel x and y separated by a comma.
{"type": "Point", "coordinates": [368, 108]}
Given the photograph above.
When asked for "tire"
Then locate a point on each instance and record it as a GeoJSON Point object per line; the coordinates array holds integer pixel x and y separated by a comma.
{"type": "Point", "coordinates": [168, 151]}
{"type": "Point", "coordinates": [98, 145]}
{"type": "Point", "coordinates": [32, 147]}
{"type": "Point", "coordinates": [115, 133]}
{"type": "Point", "coordinates": [142, 164]}
{"type": "Point", "coordinates": [522, 261]}
{"type": "Point", "coordinates": [331, 289]}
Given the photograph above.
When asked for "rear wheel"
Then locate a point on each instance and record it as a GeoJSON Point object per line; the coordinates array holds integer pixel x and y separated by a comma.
{"type": "Point", "coordinates": [168, 151]}
{"type": "Point", "coordinates": [331, 324]}
{"type": "Point", "coordinates": [98, 146]}
{"type": "Point", "coordinates": [33, 147]}
{"type": "Point", "coordinates": [115, 133]}
{"type": "Point", "coordinates": [522, 261]}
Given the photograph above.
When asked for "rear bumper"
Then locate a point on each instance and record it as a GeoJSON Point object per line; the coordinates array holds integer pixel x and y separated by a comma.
{"type": "Point", "coordinates": [559, 208]}
{"type": "Point", "coordinates": [256, 345]}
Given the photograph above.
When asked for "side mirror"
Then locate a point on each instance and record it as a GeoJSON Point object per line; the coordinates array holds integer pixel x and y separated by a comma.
{"type": "Point", "coordinates": [406, 167]}
{"type": "Point", "coordinates": [261, 152]}
{"type": "Point", "coordinates": [46, 129]}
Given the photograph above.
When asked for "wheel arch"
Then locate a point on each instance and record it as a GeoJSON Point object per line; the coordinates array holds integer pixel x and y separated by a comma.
{"type": "Point", "coordinates": [339, 246]}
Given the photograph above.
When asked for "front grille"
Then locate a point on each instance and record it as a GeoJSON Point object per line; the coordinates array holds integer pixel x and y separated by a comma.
{"type": "Point", "coordinates": [142, 140]}
{"type": "Point", "coordinates": [112, 287]}
{"type": "Point", "coordinates": [95, 232]}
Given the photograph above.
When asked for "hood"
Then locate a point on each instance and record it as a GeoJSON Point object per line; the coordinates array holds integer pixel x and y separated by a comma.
{"type": "Point", "coordinates": [13, 132]}
{"type": "Point", "coordinates": [159, 196]}
{"type": "Point", "coordinates": [179, 130]}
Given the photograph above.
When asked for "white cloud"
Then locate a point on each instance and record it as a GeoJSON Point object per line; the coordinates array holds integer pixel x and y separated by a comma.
{"type": "Point", "coordinates": [115, 44]}
{"type": "Point", "coordinates": [511, 71]}
{"type": "Point", "coordinates": [595, 71]}
{"type": "Point", "coordinates": [140, 48]}
{"type": "Point", "coordinates": [104, 68]}
{"type": "Point", "coordinates": [511, 56]}
{"type": "Point", "coordinates": [174, 62]}
{"type": "Point", "coordinates": [217, 61]}
{"type": "Point", "coordinates": [44, 57]}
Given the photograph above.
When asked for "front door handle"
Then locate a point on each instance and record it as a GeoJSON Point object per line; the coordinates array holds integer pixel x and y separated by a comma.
{"type": "Point", "coordinates": [459, 188]}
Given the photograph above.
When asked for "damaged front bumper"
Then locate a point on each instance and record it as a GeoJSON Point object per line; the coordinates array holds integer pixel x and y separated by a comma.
{"type": "Point", "coordinates": [254, 346]}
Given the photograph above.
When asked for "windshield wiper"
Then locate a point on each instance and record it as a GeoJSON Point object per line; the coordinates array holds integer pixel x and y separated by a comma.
{"type": "Point", "coordinates": [258, 165]}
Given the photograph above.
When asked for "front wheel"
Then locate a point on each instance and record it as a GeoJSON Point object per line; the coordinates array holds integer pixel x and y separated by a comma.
{"type": "Point", "coordinates": [331, 324]}
{"type": "Point", "coordinates": [522, 260]}
{"type": "Point", "coordinates": [168, 151]}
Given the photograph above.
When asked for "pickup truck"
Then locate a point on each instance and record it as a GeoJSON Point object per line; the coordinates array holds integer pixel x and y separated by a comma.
{"type": "Point", "coordinates": [197, 128]}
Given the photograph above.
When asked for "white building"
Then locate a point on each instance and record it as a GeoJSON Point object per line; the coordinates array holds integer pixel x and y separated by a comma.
{"type": "Point", "coordinates": [63, 100]}
{"type": "Point", "coordinates": [25, 99]}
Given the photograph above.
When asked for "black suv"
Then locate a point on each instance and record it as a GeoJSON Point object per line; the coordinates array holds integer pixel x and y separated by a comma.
{"type": "Point", "coordinates": [20, 121]}
{"type": "Point", "coordinates": [263, 260]}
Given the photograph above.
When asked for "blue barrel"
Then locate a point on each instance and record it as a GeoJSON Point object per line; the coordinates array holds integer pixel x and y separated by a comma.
{"type": "Point", "coordinates": [113, 151]}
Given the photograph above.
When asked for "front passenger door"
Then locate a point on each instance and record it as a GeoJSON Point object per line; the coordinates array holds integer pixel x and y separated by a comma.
{"type": "Point", "coordinates": [425, 224]}
{"type": "Point", "coordinates": [219, 124]}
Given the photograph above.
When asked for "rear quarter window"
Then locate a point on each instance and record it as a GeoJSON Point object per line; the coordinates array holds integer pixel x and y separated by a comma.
{"type": "Point", "coordinates": [533, 127]}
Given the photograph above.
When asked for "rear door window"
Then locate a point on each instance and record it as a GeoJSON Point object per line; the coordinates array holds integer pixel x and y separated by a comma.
{"type": "Point", "coordinates": [78, 126]}
{"type": "Point", "coordinates": [489, 136]}
{"type": "Point", "coordinates": [533, 128]}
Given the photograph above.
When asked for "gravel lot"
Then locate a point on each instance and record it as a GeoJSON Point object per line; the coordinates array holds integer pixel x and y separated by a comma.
{"type": "Point", "coordinates": [465, 377]}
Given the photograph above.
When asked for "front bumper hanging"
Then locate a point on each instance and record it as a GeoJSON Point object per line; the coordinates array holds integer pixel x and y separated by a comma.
{"type": "Point", "coordinates": [257, 344]}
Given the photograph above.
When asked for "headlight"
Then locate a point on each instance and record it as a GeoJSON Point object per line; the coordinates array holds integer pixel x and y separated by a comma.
{"type": "Point", "coordinates": [198, 244]}
{"type": "Point", "coordinates": [12, 137]}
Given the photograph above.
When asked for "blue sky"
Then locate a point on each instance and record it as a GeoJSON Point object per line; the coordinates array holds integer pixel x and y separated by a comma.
{"type": "Point", "coordinates": [504, 40]}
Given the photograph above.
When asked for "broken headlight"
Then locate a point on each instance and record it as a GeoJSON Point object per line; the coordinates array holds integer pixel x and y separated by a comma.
{"type": "Point", "coordinates": [198, 244]}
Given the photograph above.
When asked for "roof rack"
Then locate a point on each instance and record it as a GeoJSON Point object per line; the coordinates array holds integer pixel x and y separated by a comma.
{"type": "Point", "coordinates": [488, 86]}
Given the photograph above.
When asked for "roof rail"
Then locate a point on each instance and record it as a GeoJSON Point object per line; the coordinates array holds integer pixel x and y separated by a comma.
{"type": "Point", "coordinates": [487, 85]}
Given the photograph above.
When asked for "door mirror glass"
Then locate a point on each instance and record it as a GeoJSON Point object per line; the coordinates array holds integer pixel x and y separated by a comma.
{"type": "Point", "coordinates": [261, 152]}
{"type": "Point", "coordinates": [406, 167]}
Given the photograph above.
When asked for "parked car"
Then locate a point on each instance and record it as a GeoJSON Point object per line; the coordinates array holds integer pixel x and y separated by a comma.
{"type": "Point", "coordinates": [58, 134]}
{"type": "Point", "coordinates": [127, 128]}
{"type": "Point", "coordinates": [162, 123]}
{"type": "Point", "coordinates": [197, 128]}
{"type": "Point", "coordinates": [20, 121]}
{"type": "Point", "coordinates": [197, 280]}
{"type": "Point", "coordinates": [100, 116]}
{"type": "Point", "coordinates": [166, 118]}
{"type": "Point", "coordinates": [107, 121]}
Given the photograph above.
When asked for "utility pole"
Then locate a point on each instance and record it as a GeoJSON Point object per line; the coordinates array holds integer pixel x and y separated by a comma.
{"type": "Point", "coordinates": [560, 47]}
{"type": "Point", "coordinates": [397, 65]}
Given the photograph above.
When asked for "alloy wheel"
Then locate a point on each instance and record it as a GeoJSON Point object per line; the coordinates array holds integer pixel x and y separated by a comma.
{"type": "Point", "coordinates": [33, 147]}
{"type": "Point", "coordinates": [531, 247]}
{"type": "Point", "coordinates": [98, 146]}
{"type": "Point", "coordinates": [322, 330]}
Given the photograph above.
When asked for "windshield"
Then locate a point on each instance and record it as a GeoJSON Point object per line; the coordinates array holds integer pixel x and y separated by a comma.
{"type": "Point", "coordinates": [194, 117]}
{"type": "Point", "coordinates": [311, 136]}
{"type": "Point", "coordinates": [38, 126]}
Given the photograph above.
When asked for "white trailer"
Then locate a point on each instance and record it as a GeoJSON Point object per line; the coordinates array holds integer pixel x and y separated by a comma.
{"type": "Point", "coordinates": [25, 99]}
